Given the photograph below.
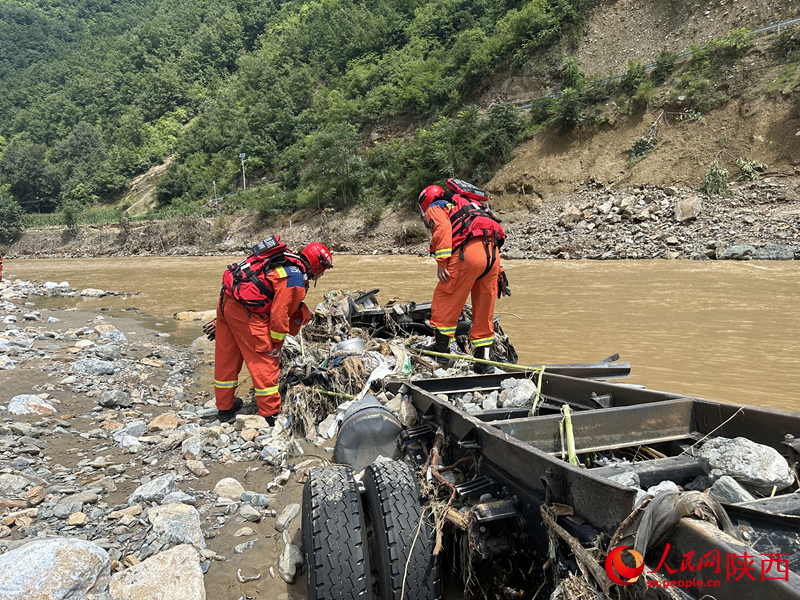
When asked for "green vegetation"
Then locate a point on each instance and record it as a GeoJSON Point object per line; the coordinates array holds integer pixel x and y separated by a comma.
{"type": "Point", "coordinates": [94, 93]}
{"type": "Point", "coordinates": [716, 182]}
{"type": "Point", "coordinates": [750, 169]}
{"type": "Point", "coordinates": [698, 81]}
{"type": "Point", "coordinates": [10, 217]}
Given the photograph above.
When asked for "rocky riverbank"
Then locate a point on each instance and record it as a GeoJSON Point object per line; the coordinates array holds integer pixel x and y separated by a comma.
{"type": "Point", "coordinates": [759, 221]}
{"type": "Point", "coordinates": [115, 475]}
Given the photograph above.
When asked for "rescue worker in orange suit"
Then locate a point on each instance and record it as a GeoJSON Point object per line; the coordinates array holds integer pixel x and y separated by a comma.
{"type": "Point", "coordinates": [465, 244]}
{"type": "Point", "coordinates": [244, 335]}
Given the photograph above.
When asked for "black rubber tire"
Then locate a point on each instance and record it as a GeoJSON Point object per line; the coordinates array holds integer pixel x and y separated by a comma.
{"type": "Point", "coordinates": [394, 504]}
{"type": "Point", "coordinates": [333, 537]}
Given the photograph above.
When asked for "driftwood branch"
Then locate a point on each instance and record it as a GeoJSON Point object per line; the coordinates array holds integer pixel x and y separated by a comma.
{"type": "Point", "coordinates": [586, 559]}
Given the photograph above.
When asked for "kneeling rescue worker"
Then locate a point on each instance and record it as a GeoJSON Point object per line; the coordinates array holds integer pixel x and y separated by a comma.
{"type": "Point", "coordinates": [466, 241]}
{"type": "Point", "coordinates": [260, 303]}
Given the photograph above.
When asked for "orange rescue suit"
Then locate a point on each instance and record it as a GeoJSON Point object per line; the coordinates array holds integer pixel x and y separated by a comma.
{"type": "Point", "coordinates": [450, 296]}
{"type": "Point", "coordinates": [257, 339]}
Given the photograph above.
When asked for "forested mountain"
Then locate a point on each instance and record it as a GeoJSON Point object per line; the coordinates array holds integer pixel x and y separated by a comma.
{"type": "Point", "coordinates": [94, 92]}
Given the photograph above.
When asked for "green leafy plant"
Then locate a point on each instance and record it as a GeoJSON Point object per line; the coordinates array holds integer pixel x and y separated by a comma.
{"type": "Point", "coordinates": [10, 217]}
{"type": "Point", "coordinates": [750, 169]}
{"type": "Point", "coordinates": [716, 182]}
{"type": "Point", "coordinates": [664, 66]}
{"type": "Point", "coordinates": [571, 73]}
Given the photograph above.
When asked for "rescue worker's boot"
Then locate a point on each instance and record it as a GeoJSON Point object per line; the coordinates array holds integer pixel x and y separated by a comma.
{"type": "Point", "coordinates": [441, 344]}
{"type": "Point", "coordinates": [483, 354]}
{"type": "Point", "coordinates": [226, 416]}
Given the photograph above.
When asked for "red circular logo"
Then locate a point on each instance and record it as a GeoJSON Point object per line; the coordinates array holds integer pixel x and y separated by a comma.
{"type": "Point", "coordinates": [618, 571]}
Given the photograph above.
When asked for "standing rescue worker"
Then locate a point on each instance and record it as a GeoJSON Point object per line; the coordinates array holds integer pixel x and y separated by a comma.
{"type": "Point", "coordinates": [260, 303]}
{"type": "Point", "coordinates": [466, 241]}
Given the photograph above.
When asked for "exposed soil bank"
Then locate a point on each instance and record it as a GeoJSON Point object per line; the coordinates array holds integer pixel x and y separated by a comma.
{"type": "Point", "coordinates": [596, 222]}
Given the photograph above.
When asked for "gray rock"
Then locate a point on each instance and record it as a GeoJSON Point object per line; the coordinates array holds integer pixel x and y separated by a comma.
{"type": "Point", "coordinates": [179, 566]}
{"type": "Point", "coordinates": [272, 456]}
{"type": "Point", "coordinates": [520, 395]}
{"type": "Point", "coordinates": [108, 352]}
{"type": "Point", "coordinates": [289, 513]}
{"type": "Point", "coordinates": [240, 548]}
{"type": "Point", "coordinates": [65, 509]}
{"type": "Point", "coordinates": [256, 499]}
{"type": "Point", "coordinates": [178, 524]}
{"type": "Point", "coordinates": [688, 209]}
{"type": "Point", "coordinates": [739, 252]}
{"type": "Point", "coordinates": [774, 252]}
{"type": "Point", "coordinates": [509, 383]}
{"type": "Point", "coordinates": [112, 398]}
{"type": "Point", "coordinates": [749, 463]}
{"type": "Point", "coordinates": [726, 489]}
{"type": "Point", "coordinates": [290, 562]}
{"type": "Point", "coordinates": [11, 485]}
{"type": "Point", "coordinates": [28, 404]}
{"type": "Point", "coordinates": [249, 513]}
{"type": "Point", "coordinates": [154, 491]}
{"type": "Point", "coordinates": [55, 568]}
{"type": "Point", "coordinates": [114, 335]}
{"type": "Point", "coordinates": [81, 498]}
{"type": "Point", "coordinates": [629, 478]}
{"type": "Point", "coordinates": [133, 429]}
{"type": "Point", "coordinates": [93, 366]}
{"type": "Point", "coordinates": [179, 498]}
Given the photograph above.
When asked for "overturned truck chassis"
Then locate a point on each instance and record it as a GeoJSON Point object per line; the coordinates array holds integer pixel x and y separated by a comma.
{"type": "Point", "coordinates": [519, 520]}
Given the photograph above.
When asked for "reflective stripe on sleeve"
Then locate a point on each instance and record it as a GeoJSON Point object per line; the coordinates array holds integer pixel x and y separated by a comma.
{"type": "Point", "coordinates": [444, 253]}
{"type": "Point", "coordinates": [277, 336]}
{"type": "Point", "coordinates": [483, 342]}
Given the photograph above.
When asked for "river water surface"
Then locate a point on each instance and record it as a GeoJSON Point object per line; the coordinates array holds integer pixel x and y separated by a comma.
{"type": "Point", "coordinates": [726, 331]}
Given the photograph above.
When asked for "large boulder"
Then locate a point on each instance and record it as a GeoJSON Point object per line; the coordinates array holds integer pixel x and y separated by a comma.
{"type": "Point", "coordinates": [154, 491]}
{"type": "Point", "coordinates": [688, 209]}
{"type": "Point", "coordinates": [171, 575]}
{"type": "Point", "coordinates": [29, 404]}
{"type": "Point", "coordinates": [54, 569]}
{"type": "Point", "coordinates": [738, 252]}
{"type": "Point", "coordinates": [749, 463]}
{"type": "Point", "coordinates": [178, 524]}
{"type": "Point", "coordinates": [774, 252]}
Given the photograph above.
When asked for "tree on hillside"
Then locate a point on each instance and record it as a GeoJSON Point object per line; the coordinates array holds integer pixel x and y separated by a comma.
{"type": "Point", "coordinates": [333, 162]}
{"type": "Point", "coordinates": [33, 181]}
{"type": "Point", "coordinates": [10, 216]}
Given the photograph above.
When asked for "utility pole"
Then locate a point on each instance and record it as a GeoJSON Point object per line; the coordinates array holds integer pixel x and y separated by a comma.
{"type": "Point", "coordinates": [215, 188]}
{"type": "Point", "coordinates": [244, 181]}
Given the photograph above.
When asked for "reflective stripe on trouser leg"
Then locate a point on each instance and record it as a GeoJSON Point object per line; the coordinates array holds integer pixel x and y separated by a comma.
{"type": "Point", "coordinates": [449, 297]}
{"type": "Point", "coordinates": [242, 343]}
{"type": "Point", "coordinates": [265, 384]}
{"type": "Point", "coordinates": [227, 362]}
{"type": "Point", "coordinates": [269, 401]}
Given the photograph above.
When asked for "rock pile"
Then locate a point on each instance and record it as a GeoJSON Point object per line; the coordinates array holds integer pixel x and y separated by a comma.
{"type": "Point", "coordinates": [761, 221]}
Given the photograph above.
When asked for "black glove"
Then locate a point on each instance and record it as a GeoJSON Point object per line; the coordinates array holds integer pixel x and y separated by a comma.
{"type": "Point", "coordinates": [502, 285]}
{"type": "Point", "coordinates": [210, 329]}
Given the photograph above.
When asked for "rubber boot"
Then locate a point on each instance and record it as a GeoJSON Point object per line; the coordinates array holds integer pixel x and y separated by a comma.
{"type": "Point", "coordinates": [226, 416]}
{"type": "Point", "coordinates": [483, 354]}
{"type": "Point", "coordinates": [441, 344]}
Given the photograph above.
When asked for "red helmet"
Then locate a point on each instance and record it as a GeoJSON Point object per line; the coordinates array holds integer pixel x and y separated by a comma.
{"type": "Point", "coordinates": [318, 256]}
{"type": "Point", "coordinates": [428, 196]}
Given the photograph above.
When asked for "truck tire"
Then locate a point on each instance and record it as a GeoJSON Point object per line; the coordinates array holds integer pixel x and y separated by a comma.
{"type": "Point", "coordinates": [333, 526]}
{"type": "Point", "coordinates": [393, 501]}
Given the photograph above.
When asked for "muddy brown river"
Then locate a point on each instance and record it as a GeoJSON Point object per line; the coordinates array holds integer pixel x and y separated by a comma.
{"type": "Point", "coordinates": [726, 331]}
